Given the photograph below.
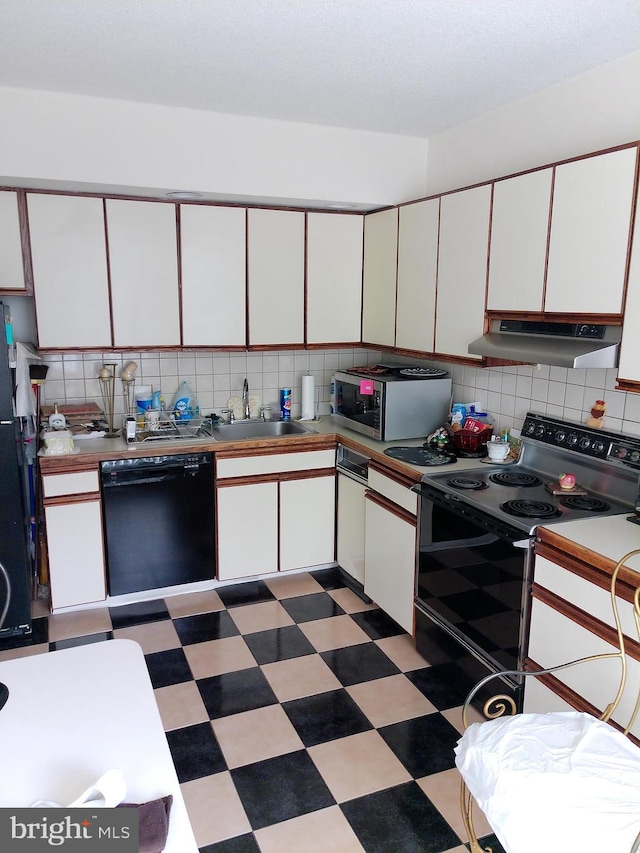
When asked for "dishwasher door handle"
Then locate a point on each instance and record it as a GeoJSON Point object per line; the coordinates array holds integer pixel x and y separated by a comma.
{"type": "Point", "coordinates": [142, 481]}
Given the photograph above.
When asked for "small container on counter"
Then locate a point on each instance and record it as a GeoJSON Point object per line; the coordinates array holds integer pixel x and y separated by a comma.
{"type": "Point", "coordinates": [285, 403]}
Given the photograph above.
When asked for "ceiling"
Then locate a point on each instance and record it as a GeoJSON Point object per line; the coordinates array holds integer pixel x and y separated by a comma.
{"type": "Point", "coordinates": [409, 67]}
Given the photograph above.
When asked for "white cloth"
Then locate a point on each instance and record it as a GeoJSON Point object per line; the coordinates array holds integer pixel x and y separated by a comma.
{"type": "Point", "coordinates": [26, 405]}
{"type": "Point", "coordinates": [556, 782]}
{"type": "Point", "coordinates": [107, 793]}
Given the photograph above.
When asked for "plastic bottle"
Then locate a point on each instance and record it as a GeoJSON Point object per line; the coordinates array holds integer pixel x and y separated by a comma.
{"type": "Point", "coordinates": [184, 403]}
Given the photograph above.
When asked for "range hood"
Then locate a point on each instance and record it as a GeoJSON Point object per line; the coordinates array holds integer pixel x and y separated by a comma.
{"type": "Point", "coordinates": [556, 344]}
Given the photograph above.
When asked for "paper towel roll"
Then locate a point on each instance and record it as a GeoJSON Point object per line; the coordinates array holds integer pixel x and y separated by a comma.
{"type": "Point", "coordinates": [308, 398]}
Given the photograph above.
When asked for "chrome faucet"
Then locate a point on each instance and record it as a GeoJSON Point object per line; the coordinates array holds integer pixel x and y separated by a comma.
{"type": "Point", "coordinates": [245, 399]}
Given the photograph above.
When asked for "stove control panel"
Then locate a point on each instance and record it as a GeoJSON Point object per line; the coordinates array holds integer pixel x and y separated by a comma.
{"type": "Point", "coordinates": [596, 443]}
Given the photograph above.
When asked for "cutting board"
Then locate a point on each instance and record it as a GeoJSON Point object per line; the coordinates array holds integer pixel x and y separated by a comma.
{"type": "Point", "coordinates": [556, 489]}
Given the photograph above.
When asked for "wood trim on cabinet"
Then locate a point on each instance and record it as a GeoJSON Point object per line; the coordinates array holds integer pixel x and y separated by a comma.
{"type": "Point", "coordinates": [394, 509]}
{"type": "Point", "coordinates": [392, 474]}
{"type": "Point", "coordinates": [80, 498]}
{"type": "Point", "coordinates": [268, 448]}
{"type": "Point", "coordinates": [545, 272]}
{"type": "Point", "coordinates": [584, 619]}
{"type": "Point", "coordinates": [25, 242]}
{"type": "Point", "coordinates": [586, 564]}
{"type": "Point", "coordinates": [179, 273]}
{"type": "Point", "coordinates": [108, 264]}
{"type": "Point", "coordinates": [275, 477]}
{"type": "Point", "coordinates": [632, 221]}
{"type": "Point", "coordinates": [628, 385]}
{"type": "Point", "coordinates": [541, 316]}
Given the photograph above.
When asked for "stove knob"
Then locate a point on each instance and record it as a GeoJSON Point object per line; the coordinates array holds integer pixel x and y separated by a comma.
{"type": "Point", "coordinates": [584, 442]}
{"type": "Point", "coordinates": [598, 446]}
{"type": "Point", "coordinates": [635, 456]}
{"type": "Point", "coordinates": [560, 435]}
{"type": "Point", "coordinates": [530, 429]}
{"type": "Point", "coordinates": [540, 431]}
{"type": "Point", "coordinates": [572, 439]}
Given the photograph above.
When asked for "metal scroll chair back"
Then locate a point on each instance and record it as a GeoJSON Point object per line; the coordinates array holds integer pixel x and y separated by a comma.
{"type": "Point", "coordinates": [503, 705]}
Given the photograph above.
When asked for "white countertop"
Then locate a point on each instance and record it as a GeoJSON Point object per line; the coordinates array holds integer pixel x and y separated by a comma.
{"type": "Point", "coordinates": [612, 537]}
{"type": "Point", "coordinates": [72, 715]}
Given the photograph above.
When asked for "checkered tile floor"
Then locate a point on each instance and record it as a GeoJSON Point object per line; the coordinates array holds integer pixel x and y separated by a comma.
{"type": "Point", "coordinates": [300, 719]}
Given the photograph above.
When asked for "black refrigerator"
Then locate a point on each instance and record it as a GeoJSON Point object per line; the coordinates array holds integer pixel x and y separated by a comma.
{"type": "Point", "coordinates": [15, 580]}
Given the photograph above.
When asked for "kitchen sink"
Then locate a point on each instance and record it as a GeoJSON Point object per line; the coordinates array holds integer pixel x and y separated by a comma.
{"type": "Point", "coordinates": [238, 430]}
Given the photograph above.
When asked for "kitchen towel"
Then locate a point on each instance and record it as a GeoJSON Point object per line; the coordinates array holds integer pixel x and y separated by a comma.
{"type": "Point", "coordinates": [308, 398]}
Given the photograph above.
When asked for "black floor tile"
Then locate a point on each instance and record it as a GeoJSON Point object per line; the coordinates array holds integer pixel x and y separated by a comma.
{"type": "Point", "coordinates": [205, 626]}
{"type": "Point", "coordinates": [399, 820]}
{"type": "Point", "coordinates": [377, 624]}
{"type": "Point", "coordinates": [281, 788]}
{"type": "Point", "coordinates": [438, 690]}
{"type": "Point", "coordinates": [168, 667]}
{"type": "Point", "coordinates": [250, 592]}
{"type": "Point", "coordinates": [235, 692]}
{"type": "Point", "coordinates": [355, 664]}
{"type": "Point", "coordinates": [492, 842]}
{"type": "Point", "coordinates": [424, 745]}
{"type": "Point", "coordinates": [195, 752]}
{"type": "Point", "coordinates": [307, 608]}
{"type": "Point", "coordinates": [39, 634]}
{"type": "Point", "coordinates": [138, 613]}
{"type": "Point", "coordinates": [325, 717]}
{"type": "Point", "coordinates": [329, 578]}
{"type": "Point", "coordinates": [85, 640]}
{"type": "Point", "coordinates": [278, 644]}
{"type": "Point", "coordinates": [239, 844]}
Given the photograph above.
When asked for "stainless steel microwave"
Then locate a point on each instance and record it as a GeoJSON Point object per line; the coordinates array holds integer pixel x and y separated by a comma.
{"type": "Point", "coordinates": [390, 403]}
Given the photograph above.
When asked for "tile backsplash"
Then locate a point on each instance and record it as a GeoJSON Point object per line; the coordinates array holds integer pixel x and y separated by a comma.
{"type": "Point", "coordinates": [507, 393]}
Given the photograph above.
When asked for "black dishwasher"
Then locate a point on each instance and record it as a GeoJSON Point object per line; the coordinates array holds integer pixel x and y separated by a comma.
{"type": "Point", "coordinates": [158, 517]}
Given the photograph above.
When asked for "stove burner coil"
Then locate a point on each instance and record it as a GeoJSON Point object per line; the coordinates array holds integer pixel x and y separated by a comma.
{"type": "Point", "coordinates": [467, 483]}
{"type": "Point", "coordinates": [585, 502]}
{"type": "Point", "coordinates": [530, 509]}
{"type": "Point", "coordinates": [515, 478]}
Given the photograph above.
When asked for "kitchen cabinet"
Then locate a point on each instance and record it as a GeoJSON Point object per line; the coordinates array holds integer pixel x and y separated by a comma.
{"type": "Point", "coordinates": [275, 512]}
{"type": "Point", "coordinates": [334, 277]}
{"type": "Point", "coordinates": [417, 270]}
{"type": "Point", "coordinates": [379, 277]}
{"type": "Point", "coordinates": [276, 255]}
{"type": "Point", "coordinates": [518, 250]}
{"type": "Point", "coordinates": [75, 550]}
{"type": "Point", "coordinates": [11, 266]}
{"type": "Point", "coordinates": [351, 527]}
{"type": "Point", "coordinates": [572, 618]}
{"type": "Point", "coordinates": [629, 364]}
{"type": "Point", "coordinates": [143, 259]}
{"type": "Point", "coordinates": [390, 546]}
{"type": "Point", "coordinates": [213, 266]}
{"type": "Point", "coordinates": [69, 257]}
{"type": "Point", "coordinates": [589, 238]}
{"type": "Point", "coordinates": [462, 270]}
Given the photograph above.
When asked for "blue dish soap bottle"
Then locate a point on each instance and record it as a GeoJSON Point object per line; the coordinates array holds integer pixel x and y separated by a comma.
{"type": "Point", "coordinates": [184, 404]}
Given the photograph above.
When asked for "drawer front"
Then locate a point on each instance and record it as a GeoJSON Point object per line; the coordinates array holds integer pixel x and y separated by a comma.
{"type": "Point", "coordinates": [395, 492]}
{"type": "Point", "coordinates": [275, 463]}
{"type": "Point", "coordinates": [78, 483]}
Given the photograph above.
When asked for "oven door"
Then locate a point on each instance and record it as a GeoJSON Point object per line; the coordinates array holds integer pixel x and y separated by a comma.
{"type": "Point", "coordinates": [472, 594]}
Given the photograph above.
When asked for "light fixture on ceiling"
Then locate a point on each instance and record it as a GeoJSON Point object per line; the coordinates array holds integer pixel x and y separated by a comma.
{"type": "Point", "coordinates": [184, 195]}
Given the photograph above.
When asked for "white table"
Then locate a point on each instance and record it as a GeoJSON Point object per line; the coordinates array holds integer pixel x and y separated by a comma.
{"type": "Point", "coordinates": [76, 713]}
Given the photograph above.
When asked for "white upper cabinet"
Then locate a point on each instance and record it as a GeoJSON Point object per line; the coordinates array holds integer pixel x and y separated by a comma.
{"type": "Point", "coordinates": [213, 258]}
{"type": "Point", "coordinates": [11, 267]}
{"type": "Point", "coordinates": [462, 269]}
{"type": "Point", "coordinates": [69, 256]}
{"type": "Point", "coordinates": [519, 231]}
{"type": "Point", "coordinates": [143, 255]}
{"type": "Point", "coordinates": [417, 271]}
{"type": "Point", "coordinates": [629, 366]}
{"type": "Point", "coordinates": [379, 283]}
{"type": "Point", "coordinates": [590, 222]}
{"type": "Point", "coordinates": [334, 277]}
{"type": "Point", "coordinates": [276, 277]}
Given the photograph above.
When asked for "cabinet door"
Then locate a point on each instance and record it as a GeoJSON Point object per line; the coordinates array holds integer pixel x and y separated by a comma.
{"type": "Point", "coordinates": [350, 538]}
{"type": "Point", "coordinates": [629, 366]}
{"type": "Point", "coordinates": [143, 257]}
{"type": "Point", "coordinates": [417, 270]}
{"type": "Point", "coordinates": [247, 527]}
{"type": "Point", "coordinates": [76, 553]}
{"type": "Point", "coordinates": [462, 269]}
{"type": "Point", "coordinates": [213, 259]}
{"type": "Point", "coordinates": [379, 277]}
{"type": "Point", "coordinates": [334, 277]}
{"type": "Point", "coordinates": [276, 277]}
{"type": "Point", "coordinates": [11, 267]}
{"type": "Point", "coordinates": [68, 251]}
{"type": "Point", "coordinates": [518, 253]}
{"type": "Point", "coordinates": [307, 522]}
{"type": "Point", "coordinates": [589, 238]}
{"type": "Point", "coordinates": [390, 560]}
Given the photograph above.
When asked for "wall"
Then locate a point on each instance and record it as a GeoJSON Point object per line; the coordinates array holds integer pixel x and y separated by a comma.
{"type": "Point", "coordinates": [49, 136]}
{"type": "Point", "coordinates": [595, 110]}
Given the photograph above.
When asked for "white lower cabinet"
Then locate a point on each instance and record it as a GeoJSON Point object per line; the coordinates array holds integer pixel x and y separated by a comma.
{"type": "Point", "coordinates": [76, 553]}
{"type": "Point", "coordinates": [307, 522]}
{"type": "Point", "coordinates": [247, 530]}
{"type": "Point", "coordinates": [390, 547]}
{"type": "Point", "coordinates": [350, 534]}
